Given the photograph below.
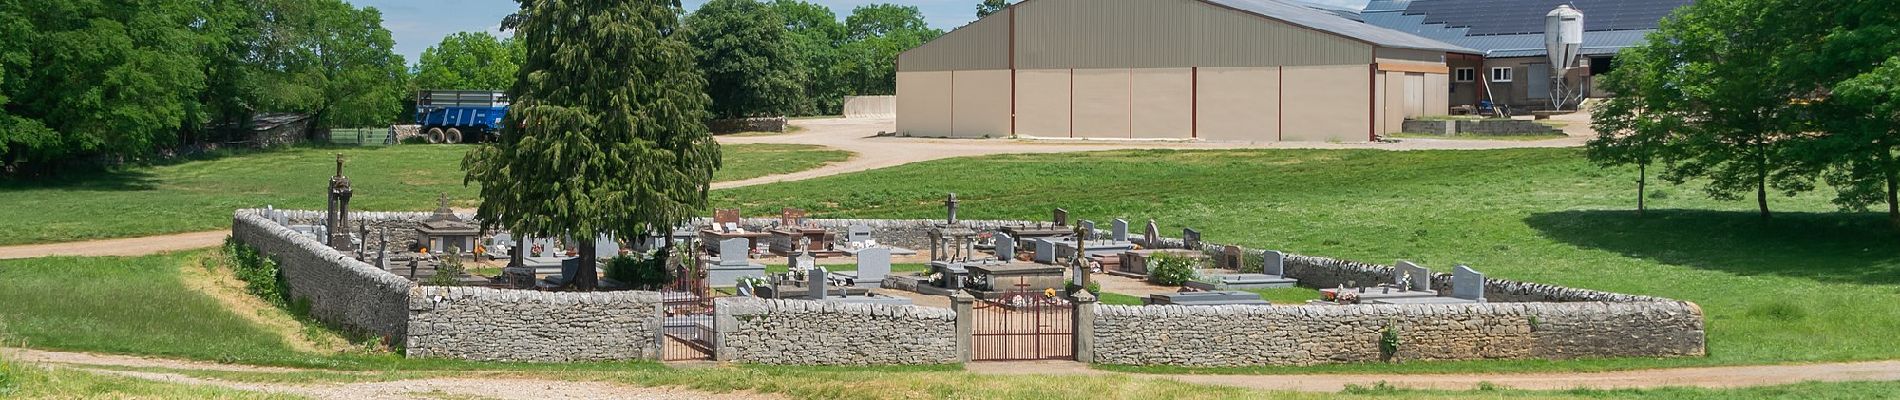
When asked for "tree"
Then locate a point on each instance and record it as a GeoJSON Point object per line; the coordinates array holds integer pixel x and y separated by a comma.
{"type": "Point", "coordinates": [750, 63]}
{"type": "Point", "coordinates": [468, 61]}
{"type": "Point", "coordinates": [606, 135]}
{"type": "Point", "coordinates": [1634, 127]}
{"type": "Point", "coordinates": [1865, 131]}
{"type": "Point", "coordinates": [816, 36]}
{"type": "Point", "coordinates": [877, 34]}
{"type": "Point", "coordinates": [988, 7]}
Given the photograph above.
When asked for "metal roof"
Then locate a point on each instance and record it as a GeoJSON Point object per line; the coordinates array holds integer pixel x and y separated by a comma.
{"type": "Point", "coordinates": [1503, 29]}
{"type": "Point", "coordinates": [1327, 21]}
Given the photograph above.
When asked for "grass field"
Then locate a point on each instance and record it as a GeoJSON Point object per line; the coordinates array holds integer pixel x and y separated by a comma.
{"type": "Point", "coordinates": [199, 195]}
{"type": "Point", "coordinates": [1463, 136]}
{"type": "Point", "coordinates": [1810, 285]}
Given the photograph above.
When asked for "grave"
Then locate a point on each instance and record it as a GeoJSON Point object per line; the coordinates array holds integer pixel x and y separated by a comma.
{"type": "Point", "coordinates": [733, 262]}
{"type": "Point", "coordinates": [338, 218]}
{"type": "Point", "coordinates": [1025, 235]}
{"type": "Point", "coordinates": [1408, 281]}
{"type": "Point", "coordinates": [444, 229]}
{"type": "Point", "coordinates": [1467, 287]}
{"type": "Point", "coordinates": [1134, 263]}
{"type": "Point", "coordinates": [794, 235]}
{"type": "Point", "coordinates": [1274, 277]}
{"type": "Point", "coordinates": [1118, 230]}
{"type": "Point", "coordinates": [1213, 298]}
{"type": "Point", "coordinates": [992, 281]}
{"type": "Point", "coordinates": [858, 239]}
{"type": "Point", "coordinates": [873, 265]}
{"type": "Point", "coordinates": [726, 225]}
{"type": "Point", "coordinates": [819, 285]}
{"type": "Point", "coordinates": [1152, 236]}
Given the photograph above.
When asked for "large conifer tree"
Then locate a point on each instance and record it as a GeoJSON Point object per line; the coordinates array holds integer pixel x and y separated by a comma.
{"type": "Point", "coordinates": [606, 134]}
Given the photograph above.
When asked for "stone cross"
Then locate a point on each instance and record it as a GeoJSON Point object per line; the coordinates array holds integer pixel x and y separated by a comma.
{"type": "Point", "coordinates": [1005, 247]}
{"type": "Point", "coordinates": [1153, 235]}
{"type": "Point", "coordinates": [1118, 230]}
{"type": "Point", "coordinates": [1467, 283]}
{"type": "Point", "coordinates": [339, 208]}
{"type": "Point", "coordinates": [1081, 262]}
{"type": "Point", "coordinates": [950, 204]}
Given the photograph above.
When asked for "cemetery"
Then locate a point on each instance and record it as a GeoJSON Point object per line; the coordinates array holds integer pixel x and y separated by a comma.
{"type": "Point", "coordinates": [994, 290]}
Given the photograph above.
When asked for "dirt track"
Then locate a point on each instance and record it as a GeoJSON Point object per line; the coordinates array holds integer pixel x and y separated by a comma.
{"type": "Point", "coordinates": [138, 246]}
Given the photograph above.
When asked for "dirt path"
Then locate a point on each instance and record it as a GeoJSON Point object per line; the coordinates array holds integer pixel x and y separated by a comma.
{"type": "Point", "coordinates": [1706, 377]}
{"type": "Point", "coordinates": [873, 152]}
{"type": "Point", "coordinates": [137, 246]}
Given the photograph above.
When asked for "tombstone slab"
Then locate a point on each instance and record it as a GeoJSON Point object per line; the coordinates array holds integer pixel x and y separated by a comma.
{"type": "Point", "coordinates": [1118, 230]}
{"type": "Point", "coordinates": [1005, 247]}
{"type": "Point", "coordinates": [1467, 283]}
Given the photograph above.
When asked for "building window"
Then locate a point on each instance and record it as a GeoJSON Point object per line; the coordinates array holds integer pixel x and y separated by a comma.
{"type": "Point", "coordinates": [1466, 74]}
{"type": "Point", "coordinates": [1500, 74]}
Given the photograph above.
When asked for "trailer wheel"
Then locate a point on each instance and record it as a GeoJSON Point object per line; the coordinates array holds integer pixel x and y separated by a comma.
{"type": "Point", "coordinates": [454, 136]}
{"type": "Point", "coordinates": [435, 136]}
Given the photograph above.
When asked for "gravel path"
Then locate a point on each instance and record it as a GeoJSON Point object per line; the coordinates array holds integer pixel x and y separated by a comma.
{"type": "Point", "coordinates": [138, 246]}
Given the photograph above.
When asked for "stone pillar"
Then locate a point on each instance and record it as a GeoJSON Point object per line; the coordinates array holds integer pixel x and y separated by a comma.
{"type": "Point", "coordinates": [962, 303]}
{"type": "Point", "coordinates": [1084, 327]}
{"type": "Point", "coordinates": [657, 350]}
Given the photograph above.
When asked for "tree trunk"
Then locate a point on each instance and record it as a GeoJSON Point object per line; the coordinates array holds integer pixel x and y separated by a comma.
{"type": "Point", "coordinates": [1642, 187]}
{"type": "Point", "coordinates": [1761, 179]}
{"type": "Point", "coordinates": [589, 276]}
{"type": "Point", "coordinates": [1893, 189]}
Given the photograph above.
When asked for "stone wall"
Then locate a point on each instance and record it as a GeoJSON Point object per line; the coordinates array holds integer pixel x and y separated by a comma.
{"type": "Point", "coordinates": [340, 290]}
{"type": "Point", "coordinates": [907, 233]}
{"type": "Point", "coordinates": [401, 225]}
{"type": "Point", "coordinates": [515, 325]}
{"type": "Point", "coordinates": [1227, 336]}
{"type": "Point", "coordinates": [802, 332]}
{"type": "Point", "coordinates": [1488, 127]}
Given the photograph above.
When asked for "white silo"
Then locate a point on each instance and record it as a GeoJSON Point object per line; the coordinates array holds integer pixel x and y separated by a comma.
{"type": "Point", "coordinates": [1563, 36]}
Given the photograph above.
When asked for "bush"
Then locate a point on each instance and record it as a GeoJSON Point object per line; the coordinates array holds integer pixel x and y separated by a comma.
{"type": "Point", "coordinates": [260, 274]}
{"type": "Point", "coordinates": [640, 271]}
{"type": "Point", "coordinates": [1095, 288]}
{"type": "Point", "coordinates": [1172, 270]}
{"type": "Point", "coordinates": [449, 270]}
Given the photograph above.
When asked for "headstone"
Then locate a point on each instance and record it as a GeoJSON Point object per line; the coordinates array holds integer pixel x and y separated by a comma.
{"type": "Point", "coordinates": [606, 247]}
{"type": "Point", "coordinates": [1421, 278]}
{"type": "Point", "coordinates": [1005, 247]}
{"type": "Point", "coordinates": [1118, 230]}
{"type": "Point", "coordinates": [801, 262]}
{"type": "Point", "coordinates": [857, 234]}
{"type": "Point", "coordinates": [1230, 258]}
{"type": "Point", "coordinates": [734, 252]}
{"type": "Point", "coordinates": [745, 289]}
{"type": "Point", "coordinates": [1467, 283]}
{"type": "Point", "coordinates": [1191, 238]}
{"type": "Point", "coordinates": [502, 239]}
{"type": "Point", "coordinates": [1045, 251]}
{"type": "Point", "coordinates": [727, 215]}
{"type": "Point", "coordinates": [1152, 236]}
{"type": "Point", "coordinates": [815, 284]}
{"type": "Point", "coordinates": [791, 217]}
{"type": "Point", "coordinates": [873, 265]}
{"type": "Point", "coordinates": [1274, 263]}
{"type": "Point", "coordinates": [1088, 230]}
{"type": "Point", "coordinates": [1061, 217]}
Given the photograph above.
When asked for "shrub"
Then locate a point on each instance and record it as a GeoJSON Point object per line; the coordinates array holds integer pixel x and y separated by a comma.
{"type": "Point", "coordinates": [1095, 288]}
{"type": "Point", "coordinates": [1389, 341]}
{"type": "Point", "coordinates": [1172, 270]}
{"type": "Point", "coordinates": [641, 271]}
{"type": "Point", "coordinates": [449, 270]}
{"type": "Point", "coordinates": [259, 273]}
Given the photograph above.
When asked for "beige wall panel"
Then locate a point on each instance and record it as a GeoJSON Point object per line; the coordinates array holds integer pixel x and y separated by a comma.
{"type": "Point", "coordinates": [1392, 102]}
{"type": "Point", "coordinates": [1240, 104]}
{"type": "Point", "coordinates": [923, 104]}
{"type": "Point", "coordinates": [982, 104]}
{"type": "Point", "coordinates": [1329, 103]}
{"type": "Point", "coordinates": [1437, 94]}
{"type": "Point", "coordinates": [1042, 102]}
{"type": "Point", "coordinates": [1163, 104]}
{"type": "Point", "coordinates": [1409, 55]}
{"type": "Point", "coordinates": [1168, 34]}
{"type": "Point", "coordinates": [1102, 103]}
{"type": "Point", "coordinates": [981, 45]}
{"type": "Point", "coordinates": [1414, 95]}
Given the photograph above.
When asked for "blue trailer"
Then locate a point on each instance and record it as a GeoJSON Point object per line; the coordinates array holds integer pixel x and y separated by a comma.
{"type": "Point", "coordinates": [455, 116]}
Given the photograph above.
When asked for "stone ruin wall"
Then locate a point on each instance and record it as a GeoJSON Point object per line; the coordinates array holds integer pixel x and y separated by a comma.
{"type": "Point", "coordinates": [402, 225]}
{"type": "Point", "coordinates": [1231, 336]}
{"type": "Point", "coordinates": [804, 332]}
{"type": "Point", "coordinates": [341, 291]}
{"type": "Point", "coordinates": [485, 324]}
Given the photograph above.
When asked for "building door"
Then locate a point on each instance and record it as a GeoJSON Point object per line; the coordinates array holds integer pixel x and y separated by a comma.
{"type": "Point", "coordinates": [1539, 85]}
{"type": "Point", "coordinates": [1414, 95]}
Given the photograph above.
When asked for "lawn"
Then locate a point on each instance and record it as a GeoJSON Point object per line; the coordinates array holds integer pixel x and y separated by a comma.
{"type": "Point", "coordinates": [1465, 136]}
{"type": "Point", "coordinates": [199, 195]}
{"type": "Point", "coordinates": [1810, 285]}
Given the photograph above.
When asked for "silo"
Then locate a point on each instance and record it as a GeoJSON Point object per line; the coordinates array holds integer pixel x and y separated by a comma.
{"type": "Point", "coordinates": [1563, 36]}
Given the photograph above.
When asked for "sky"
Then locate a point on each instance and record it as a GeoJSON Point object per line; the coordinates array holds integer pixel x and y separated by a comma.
{"type": "Point", "coordinates": [418, 24]}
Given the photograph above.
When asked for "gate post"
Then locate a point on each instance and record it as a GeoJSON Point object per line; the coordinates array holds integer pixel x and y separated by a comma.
{"type": "Point", "coordinates": [1084, 331]}
{"type": "Point", "coordinates": [961, 302]}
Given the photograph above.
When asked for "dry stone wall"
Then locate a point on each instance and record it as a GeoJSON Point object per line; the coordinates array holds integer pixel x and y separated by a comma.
{"type": "Point", "coordinates": [803, 332]}
{"type": "Point", "coordinates": [340, 290]}
{"type": "Point", "coordinates": [514, 325]}
{"type": "Point", "coordinates": [1228, 336]}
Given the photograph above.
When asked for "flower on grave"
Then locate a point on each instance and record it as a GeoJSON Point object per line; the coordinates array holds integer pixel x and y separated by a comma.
{"type": "Point", "coordinates": [1346, 297]}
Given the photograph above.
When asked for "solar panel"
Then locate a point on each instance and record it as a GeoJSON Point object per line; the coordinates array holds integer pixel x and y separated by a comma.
{"type": "Point", "coordinates": [1493, 17]}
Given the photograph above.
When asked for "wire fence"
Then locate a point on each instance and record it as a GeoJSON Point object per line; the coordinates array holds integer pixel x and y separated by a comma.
{"type": "Point", "coordinates": [363, 136]}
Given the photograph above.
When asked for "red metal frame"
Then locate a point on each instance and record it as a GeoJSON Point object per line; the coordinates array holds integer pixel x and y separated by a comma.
{"type": "Point", "coordinates": [1022, 325]}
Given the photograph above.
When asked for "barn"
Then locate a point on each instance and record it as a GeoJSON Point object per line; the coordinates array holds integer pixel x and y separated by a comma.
{"type": "Point", "coordinates": [1215, 70]}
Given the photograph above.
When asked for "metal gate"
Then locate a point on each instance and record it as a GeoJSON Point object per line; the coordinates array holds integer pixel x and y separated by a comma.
{"type": "Point", "coordinates": [1022, 325]}
{"type": "Point", "coordinates": [689, 317]}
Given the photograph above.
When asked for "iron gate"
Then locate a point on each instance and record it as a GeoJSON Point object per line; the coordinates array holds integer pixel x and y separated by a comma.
{"type": "Point", "coordinates": [689, 317]}
{"type": "Point", "coordinates": [1022, 325]}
